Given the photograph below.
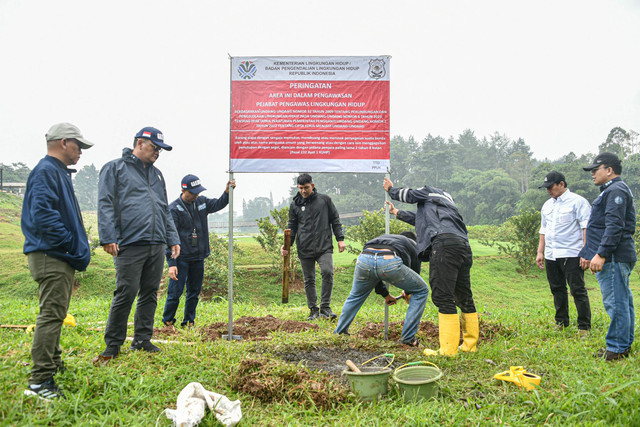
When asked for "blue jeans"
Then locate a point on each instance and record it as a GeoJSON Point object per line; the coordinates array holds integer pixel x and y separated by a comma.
{"type": "Point", "coordinates": [190, 273]}
{"type": "Point", "coordinates": [618, 303]}
{"type": "Point", "coordinates": [371, 269]}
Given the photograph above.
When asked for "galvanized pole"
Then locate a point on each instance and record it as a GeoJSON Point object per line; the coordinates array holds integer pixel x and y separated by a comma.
{"type": "Point", "coordinates": [386, 231]}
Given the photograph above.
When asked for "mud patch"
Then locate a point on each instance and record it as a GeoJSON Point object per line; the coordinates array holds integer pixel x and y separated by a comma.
{"type": "Point", "coordinates": [331, 360]}
{"type": "Point", "coordinates": [274, 381]}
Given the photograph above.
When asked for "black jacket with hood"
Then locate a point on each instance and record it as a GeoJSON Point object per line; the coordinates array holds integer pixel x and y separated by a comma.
{"type": "Point", "coordinates": [311, 221]}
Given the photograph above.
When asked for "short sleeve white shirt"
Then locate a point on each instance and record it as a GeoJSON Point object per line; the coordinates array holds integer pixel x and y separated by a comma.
{"type": "Point", "coordinates": [562, 222]}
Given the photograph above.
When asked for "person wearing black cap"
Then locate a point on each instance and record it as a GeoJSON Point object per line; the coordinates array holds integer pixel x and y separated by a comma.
{"type": "Point", "coordinates": [190, 212]}
{"type": "Point", "coordinates": [56, 246]}
{"type": "Point", "coordinates": [610, 252]}
{"type": "Point", "coordinates": [563, 226]}
{"type": "Point", "coordinates": [135, 226]}
{"type": "Point", "coordinates": [443, 242]}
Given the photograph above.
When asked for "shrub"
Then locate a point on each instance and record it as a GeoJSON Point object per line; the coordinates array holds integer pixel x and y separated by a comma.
{"type": "Point", "coordinates": [372, 224]}
{"type": "Point", "coordinates": [517, 238]}
{"type": "Point", "coordinates": [216, 266]}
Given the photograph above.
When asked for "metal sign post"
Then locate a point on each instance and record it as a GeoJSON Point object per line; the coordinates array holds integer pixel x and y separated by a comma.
{"type": "Point", "coordinates": [386, 231]}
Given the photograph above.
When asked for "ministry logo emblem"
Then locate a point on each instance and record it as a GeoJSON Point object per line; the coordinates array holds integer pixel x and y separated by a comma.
{"type": "Point", "coordinates": [247, 70]}
{"type": "Point", "coordinates": [376, 69]}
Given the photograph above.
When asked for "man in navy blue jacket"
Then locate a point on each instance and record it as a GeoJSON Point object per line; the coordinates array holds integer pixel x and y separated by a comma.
{"type": "Point", "coordinates": [610, 252]}
{"type": "Point", "coordinates": [56, 246]}
{"type": "Point", "coordinates": [190, 212]}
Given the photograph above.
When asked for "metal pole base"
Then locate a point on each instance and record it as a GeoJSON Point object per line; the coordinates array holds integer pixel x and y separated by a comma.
{"type": "Point", "coordinates": [233, 337]}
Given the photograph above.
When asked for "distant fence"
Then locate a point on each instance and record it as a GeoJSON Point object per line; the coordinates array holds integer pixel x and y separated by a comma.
{"type": "Point", "coordinates": [253, 224]}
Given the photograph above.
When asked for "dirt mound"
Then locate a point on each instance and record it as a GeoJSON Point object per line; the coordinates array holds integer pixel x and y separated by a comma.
{"type": "Point", "coordinates": [250, 328]}
{"type": "Point", "coordinates": [274, 381]}
{"type": "Point", "coordinates": [427, 331]}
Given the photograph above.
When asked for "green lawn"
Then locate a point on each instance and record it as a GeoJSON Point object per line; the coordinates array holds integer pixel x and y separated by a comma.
{"type": "Point", "coordinates": [576, 389]}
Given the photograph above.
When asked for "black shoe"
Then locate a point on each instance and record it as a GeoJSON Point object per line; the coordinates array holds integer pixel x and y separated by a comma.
{"type": "Point", "coordinates": [610, 355]}
{"type": "Point", "coordinates": [61, 369]}
{"type": "Point", "coordinates": [111, 351]}
{"type": "Point", "coordinates": [328, 314]}
{"type": "Point", "coordinates": [313, 315]}
{"type": "Point", "coordinates": [144, 345]}
{"type": "Point", "coordinates": [46, 391]}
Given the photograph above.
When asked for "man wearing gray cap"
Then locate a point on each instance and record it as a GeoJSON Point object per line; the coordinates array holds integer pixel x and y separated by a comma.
{"type": "Point", "coordinates": [563, 226]}
{"type": "Point", "coordinates": [135, 227]}
{"type": "Point", "coordinates": [610, 252]}
{"type": "Point", "coordinates": [56, 245]}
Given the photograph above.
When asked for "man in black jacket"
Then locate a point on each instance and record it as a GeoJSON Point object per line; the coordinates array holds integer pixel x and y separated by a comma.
{"type": "Point", "coordinates": [190, 212]}
{"type": "Point", "coordinates": [312, 218]}
{"type": "Point", "coordinates": [443, 241]}
{"type": "Point", "coordinates": [391, 258]}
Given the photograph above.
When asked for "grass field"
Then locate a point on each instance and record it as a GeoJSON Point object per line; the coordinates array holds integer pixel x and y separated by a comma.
{"type": "Point", "coordinates": [576, 388]}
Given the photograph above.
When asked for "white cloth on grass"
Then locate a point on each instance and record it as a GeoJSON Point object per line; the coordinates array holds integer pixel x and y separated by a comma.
{"type": "Point", "coordinates": [191, 407]}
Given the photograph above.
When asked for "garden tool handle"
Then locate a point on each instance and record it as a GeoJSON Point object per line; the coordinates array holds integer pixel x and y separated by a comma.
{"type": "Point", "coordinates": [416, 363]}
{"type": "Point", "coordinates": [353, 366]}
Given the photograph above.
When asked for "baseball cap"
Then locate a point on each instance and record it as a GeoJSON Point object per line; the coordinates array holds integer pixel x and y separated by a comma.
{"type": "Point", "coordinates": [155, 136]}
{"type": "Point", "coordinates": [192, 184]}
{"type": "Point", "coordinates": [67, 130]}
{"type": "Point", "coordinates": [553, 177]}
{"type": "Point", "coordinates": [605, 158]}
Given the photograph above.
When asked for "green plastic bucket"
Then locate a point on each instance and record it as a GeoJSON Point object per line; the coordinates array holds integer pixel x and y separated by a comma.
{"type": "Point", "coordinates": [369, 384]}
{"type": "Point", "coordinates": [417, 382]}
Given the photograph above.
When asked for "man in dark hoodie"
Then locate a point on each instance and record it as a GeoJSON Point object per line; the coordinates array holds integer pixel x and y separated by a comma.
{"type": "Point", "coordinates": [135, 227]}
{"type": "Point", "coordinates": [392, 258]}
{"type": "Point", "coordinates": [312, 218]}
{"type": "Point", "coordinates": [57, 246]}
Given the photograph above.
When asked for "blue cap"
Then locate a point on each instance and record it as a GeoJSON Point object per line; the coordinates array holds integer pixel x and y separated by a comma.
{"type": "Point", "coordinates": [155, 136]}
{"type": "Point", "coordinates": [191, 183]}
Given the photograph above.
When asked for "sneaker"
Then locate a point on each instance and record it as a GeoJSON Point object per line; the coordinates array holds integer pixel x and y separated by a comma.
{"type": "Point", "coordinates": [328, 314]}
{"type": "Point", "coordinates": [313, 315]}
{"type": "Point", "coordinates": [610, 355]}
{"type": "Point", "coordinates": [144, 345]}
{"type": "Point", "coordinates": [46, 391]}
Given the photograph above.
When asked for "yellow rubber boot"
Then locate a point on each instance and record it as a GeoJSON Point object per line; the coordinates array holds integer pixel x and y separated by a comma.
{"type": "Point", "coordinates": [449, 335]}
{"type": "Point", "coordinates": [470, 331]}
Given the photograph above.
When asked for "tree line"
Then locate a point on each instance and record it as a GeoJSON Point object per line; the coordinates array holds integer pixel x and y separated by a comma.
{"type": "Point", "coordinates": [491, 178]}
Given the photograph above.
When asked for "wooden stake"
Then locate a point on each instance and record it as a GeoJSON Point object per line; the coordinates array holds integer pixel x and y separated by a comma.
{"type": "Point", "coordinates": [286, 266]}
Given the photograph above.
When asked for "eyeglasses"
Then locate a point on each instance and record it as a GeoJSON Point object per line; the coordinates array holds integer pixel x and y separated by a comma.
{"type": "Point", "coordinates": [155, 147]}
{"type": "Point", "coordinates": [593, 171]}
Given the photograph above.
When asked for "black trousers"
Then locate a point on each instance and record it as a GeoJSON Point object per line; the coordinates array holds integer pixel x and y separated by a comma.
{"type": "Point", "coordinates": [565, 271]}
{"type": "Point", "coordinates": [450, 275]}
{"type": "Point", "coordinates": [138, 273]}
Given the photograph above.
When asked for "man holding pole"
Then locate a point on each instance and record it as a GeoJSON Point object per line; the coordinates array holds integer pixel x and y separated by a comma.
{"type": "Point", "coordinates": [443, 241]}
{"type": "Point", "coordinates": [190, 212]}
{"type": "Point", "coordinates": [312, 219]}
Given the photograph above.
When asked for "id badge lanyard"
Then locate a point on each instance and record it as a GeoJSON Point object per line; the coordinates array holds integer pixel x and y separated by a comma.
{"type": "Point", "coordinates": [194, 234]}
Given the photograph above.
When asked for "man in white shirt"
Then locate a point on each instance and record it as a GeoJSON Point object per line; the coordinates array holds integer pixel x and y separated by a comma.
{"type": "Point", "coordinates": [562, 236]}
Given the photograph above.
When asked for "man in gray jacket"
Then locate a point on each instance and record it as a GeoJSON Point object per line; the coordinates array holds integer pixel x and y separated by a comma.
{"type": "Point", "coordinates": [135, 227]}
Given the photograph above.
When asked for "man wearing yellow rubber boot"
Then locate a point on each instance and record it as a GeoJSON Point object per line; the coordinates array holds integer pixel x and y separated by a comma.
{"type": "Point", "coordinates": [443, 241]}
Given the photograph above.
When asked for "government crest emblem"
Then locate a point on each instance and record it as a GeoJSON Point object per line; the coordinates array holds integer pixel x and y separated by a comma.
{"type": "Point", "coordinates": [376, 69]}
{"type": "Point", "coordinates": [247, 70]}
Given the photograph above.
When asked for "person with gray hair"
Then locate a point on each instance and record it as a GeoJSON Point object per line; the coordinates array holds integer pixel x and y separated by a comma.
{"type": "Point", "coordinates": [56, 245]}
